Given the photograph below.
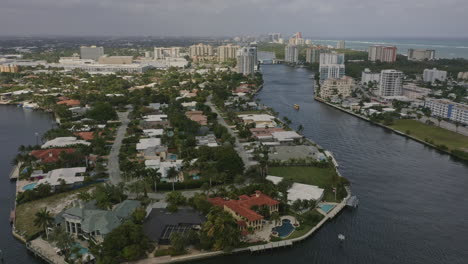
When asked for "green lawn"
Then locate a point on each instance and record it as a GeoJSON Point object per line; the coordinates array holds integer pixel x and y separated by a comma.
{"type": "Point", "coordinates": [321, 177]}
{"type": "Point", "coordinates": [25, 213]}
{"type": "Point", "coordinates": [439, 136]}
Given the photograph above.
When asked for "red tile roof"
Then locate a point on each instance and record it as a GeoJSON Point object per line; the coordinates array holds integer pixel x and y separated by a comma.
{"type": "Point", "coordinates": [70, 102]}
{"type": "Point", "coordinates": [85, 135]}
{"type": "Point", "coordinates": [245, 202]}
{"type": "Point", "coordinates": [49, 155]}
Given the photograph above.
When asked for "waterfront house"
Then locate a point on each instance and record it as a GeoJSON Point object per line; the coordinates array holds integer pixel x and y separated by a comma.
{"type": "Point", "coordinates": [50, 155]}
{"type": "Point", "coordinates": [260, 120]}
{"type": "Point", "coordinates": [91, 223]}
{"type": "Point", "coordinates": [243, 209]}
{"type": "Point", "coordinates": [299, 191]}
{"type": "Point", "coordinates": [61, 142]}
{"type": "Point", "coordinates": [70, 103]}
{"type": "Point", "coordinates": [68, 177]}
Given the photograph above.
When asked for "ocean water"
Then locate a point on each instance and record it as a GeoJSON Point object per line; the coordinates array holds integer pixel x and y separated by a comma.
{"type": "Point", "coordinates": [445, 48]}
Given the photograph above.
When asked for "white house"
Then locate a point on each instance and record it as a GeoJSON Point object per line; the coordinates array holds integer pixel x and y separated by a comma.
{"type": "Point", "coordinates": [70, 176]}
{"type": "Point", "coordinates": [61, 142]}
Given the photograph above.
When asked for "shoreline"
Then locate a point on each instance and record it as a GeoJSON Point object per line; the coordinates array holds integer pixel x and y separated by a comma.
{"type": "Point", "coordinates": [401, 133]}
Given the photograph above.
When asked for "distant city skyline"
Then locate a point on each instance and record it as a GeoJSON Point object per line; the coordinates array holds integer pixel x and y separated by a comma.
{"type": "Point", "coordinates": [323, 18]}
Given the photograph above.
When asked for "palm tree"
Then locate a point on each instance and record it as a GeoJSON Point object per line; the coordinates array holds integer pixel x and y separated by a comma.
{"type": "Point", "coordinates": [172, 174]}
{"type": "Point", "coordinates": [153, 175]}
{"type": "Point", "coordinates": [43, 219]}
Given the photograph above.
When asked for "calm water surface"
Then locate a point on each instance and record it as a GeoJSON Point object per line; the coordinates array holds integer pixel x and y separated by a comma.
{"type": "Point", "coordinates": [413, 200]}
{"type": "Point", "coordinates": [17, 127]}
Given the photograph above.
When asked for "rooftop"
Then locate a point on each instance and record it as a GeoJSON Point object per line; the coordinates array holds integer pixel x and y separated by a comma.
{"type": "Point", "coordinates": [63, 142]}
{"type": "Point", "coordinates": [50, 155]}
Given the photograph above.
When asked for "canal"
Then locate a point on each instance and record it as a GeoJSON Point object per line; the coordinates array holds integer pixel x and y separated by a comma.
{"type": "Point", "coordinates": [17, 127]}
{"type": "Point", "coordinates": [412, 198]}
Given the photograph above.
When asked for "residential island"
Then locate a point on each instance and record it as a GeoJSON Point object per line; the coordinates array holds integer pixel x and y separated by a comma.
{"type": "Point", "coordinates": [162, 156]}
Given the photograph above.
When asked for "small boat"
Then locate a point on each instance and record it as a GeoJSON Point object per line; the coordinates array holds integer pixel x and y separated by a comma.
{"type": "Point", "coordinates": [296, 106]}
{"type": "Point", "coordinates": [30, 105]}
{"type": "Point", "coordinates": [341, 237]}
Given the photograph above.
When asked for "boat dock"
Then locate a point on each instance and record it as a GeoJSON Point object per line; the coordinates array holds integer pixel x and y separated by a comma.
{"type": "Point", "coordinates": [14, 174]}
{"type": "Point", "coordinates": [271, 245]}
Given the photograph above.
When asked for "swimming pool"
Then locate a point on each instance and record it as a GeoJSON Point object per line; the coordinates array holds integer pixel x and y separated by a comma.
{"type": "Point", "coordinates": [29, 186]}
{"type": "Point", "coordinates": [285, 229]}
{"type": "Point", "coordinates": [327, 207]}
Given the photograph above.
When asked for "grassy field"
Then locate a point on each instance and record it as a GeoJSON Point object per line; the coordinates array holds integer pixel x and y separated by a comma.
{"type": "Point", "coordinates": [439, 136]}
{"type": "Point", "coordinates": [321, 177]}
{"type": "Point", "coordinates": [55, 203]}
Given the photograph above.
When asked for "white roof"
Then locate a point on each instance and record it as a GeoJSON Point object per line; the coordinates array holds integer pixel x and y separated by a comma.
{"type": "Point", "coordinates": [274, 179]}
{"type": "Point", "coordinates": [304, 192]}
{"type": "Point", "coordinates": [153, 132]}
{"type": "Point", "coordinates": [163, 166]}
{"type": "Point", "coordinates": [189, 104]}
{"type": "Point", "coordinates": [67, 174]}
{"type": "Point", "coordinates": [148, 143]}
{"type": "Point", "coordinates": [155, 118]}
{"type": "Point", "coordinates": [257, 117]}
{"type": "Point", "coordinates": [285, 135]}
{"type": "Point", "coordinates": [63, 142]}
{"type": "Point", "coordinates": [299, 190]}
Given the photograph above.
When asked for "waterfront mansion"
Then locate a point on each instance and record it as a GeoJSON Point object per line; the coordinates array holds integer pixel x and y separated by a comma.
{"type": "Point", "coordinates": [242, 209]}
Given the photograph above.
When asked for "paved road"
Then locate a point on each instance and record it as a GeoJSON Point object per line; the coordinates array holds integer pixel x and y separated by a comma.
{"type": "Point", "coordinates": [113, 164]}
{"type": "Point", "coordinates": [237, 146]}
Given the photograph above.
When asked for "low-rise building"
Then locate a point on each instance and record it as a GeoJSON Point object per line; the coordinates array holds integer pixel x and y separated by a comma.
{"type": "Point", "coordinates": [242, 210]}
{"type": "Point", "coordinates": [145, 143]}
{"type": "Point", "coordinates": [61, 142]}
{"type": "Point", "coordinates": [115, 60]}
{"type": "Point", "coordinates": [198, 117]}
{"type": "Point", "coordinates": [89, 222]}
{"type": "Point", "coordinates": [299, 191]}
{"type": "Point", "coordinates": [50, 155]}
{"type": "Point", "coordinates": [260, 120]}
{"type": "Point", "coordinates": [448, 109]}
{"type": "Point", "coordinates": [68, 177]}
{"type": "Point", "coordinates": [208, 140]}
{"type": "Point", "coordinates": [412, 91]}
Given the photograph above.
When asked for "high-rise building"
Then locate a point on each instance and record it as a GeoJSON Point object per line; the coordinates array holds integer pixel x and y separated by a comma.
{"type": "Point", "coordinates": [341, 44]}
{"type": "Point", "coordinates": [391, 83]}
{"type": "Point", "coordinates": [91, 52]}
{"type": "Point", "coordinates": [227, 52]}
{"type": "Point", "coordinates": [331, 66]}
{"type": "Point", "coordinates": [431, 75]}
{"type": "Point", "coordinates": [201, 50]}
{"type": "Point", "coordinates": [297, 39]}
{"type": "Point", "coordinates": [337, 87]}
{"type": "Point", "coordinates": [162, 53]}
{"type": "Point", "coordinates": [367, 76]}
{"type": "Point", "coordinates": [246, 60]}
{"type": "Point", "coordinates": [313, 54]}
{"type": "Point", "coordinates": [291, 54]}
{"type": "Point", "coordinates": [421, 54]}
{"type": "Point", "coordinates": [448, 109]}
{"type": "Point", "coordinates": [382, 53]}
{"type": "Point", "coordinates": [274, 37]}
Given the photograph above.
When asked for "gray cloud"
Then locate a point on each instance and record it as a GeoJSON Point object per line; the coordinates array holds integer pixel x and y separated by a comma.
{"type": "Point", "coordinates": [335, 18]}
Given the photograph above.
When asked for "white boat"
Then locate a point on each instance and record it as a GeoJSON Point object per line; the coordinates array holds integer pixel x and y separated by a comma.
{"type": "Point", "coordinates": [30, 105]}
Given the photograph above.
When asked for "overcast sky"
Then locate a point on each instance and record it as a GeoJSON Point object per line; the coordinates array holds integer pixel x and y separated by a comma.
{"type": "Point", "coordinates": [315, 18]}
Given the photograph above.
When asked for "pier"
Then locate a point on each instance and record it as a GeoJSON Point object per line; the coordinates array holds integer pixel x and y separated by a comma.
{"type": "Point", "coordinates": [14, 174]}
